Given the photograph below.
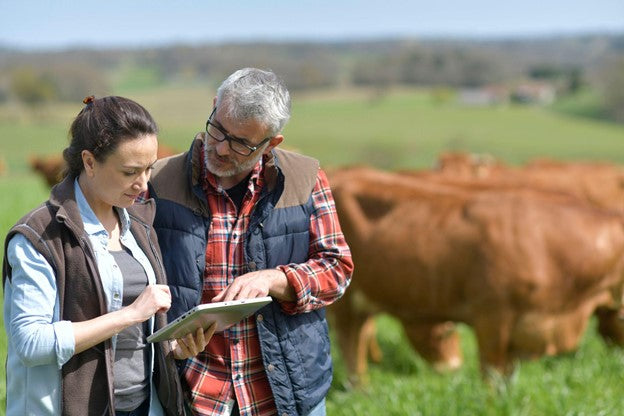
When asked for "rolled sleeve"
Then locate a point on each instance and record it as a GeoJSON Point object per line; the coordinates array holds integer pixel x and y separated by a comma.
{"type": "Point", "coordinates": [65, 341]}
{"type": "Point", "coordinates": [32, 316]}
{"type": "Point", "coordinates": [325, 276]}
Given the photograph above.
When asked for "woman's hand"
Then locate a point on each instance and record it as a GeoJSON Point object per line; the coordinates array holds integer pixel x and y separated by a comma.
{"type": "Point", "coordinates": [193, 343]}
{"type": "Point", "coordinates": [155, 298]}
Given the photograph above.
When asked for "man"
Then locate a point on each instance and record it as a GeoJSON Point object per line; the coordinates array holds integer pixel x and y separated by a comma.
{"type": "Point", "coordinates": [239, 218]}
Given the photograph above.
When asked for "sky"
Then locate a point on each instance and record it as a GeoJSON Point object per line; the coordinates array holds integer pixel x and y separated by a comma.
{"type": "Point", "coordinates": [39, 24]}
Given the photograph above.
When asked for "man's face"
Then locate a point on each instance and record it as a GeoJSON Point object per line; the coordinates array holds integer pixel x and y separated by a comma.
{"type": "Point", "coordinates": [221, 160]}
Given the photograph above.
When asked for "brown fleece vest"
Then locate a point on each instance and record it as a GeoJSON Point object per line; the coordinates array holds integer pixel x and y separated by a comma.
{"type": "Point", "coordinates": [56, 230]}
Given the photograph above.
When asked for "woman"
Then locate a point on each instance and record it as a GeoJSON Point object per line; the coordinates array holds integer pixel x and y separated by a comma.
{"type": "Point", "coordinates": [83, 280]}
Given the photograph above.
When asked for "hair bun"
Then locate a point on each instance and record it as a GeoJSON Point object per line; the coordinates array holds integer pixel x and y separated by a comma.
{"type": "Point", "coordinates": [89, 99]}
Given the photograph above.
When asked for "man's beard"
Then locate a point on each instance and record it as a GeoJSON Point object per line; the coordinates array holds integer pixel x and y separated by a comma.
{"type": "Point", "coordinates": [236, 167]}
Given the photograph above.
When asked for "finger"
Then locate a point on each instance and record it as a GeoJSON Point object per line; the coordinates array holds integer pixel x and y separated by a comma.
{"type": "Point", "coordinates": [249, 293]}
{"type": "Point", "coordinates": [243, 294]}
{"type": "Point", "coordinates": [163, 302]}
{"type": "Point", "coordinates": [218, 297]}
{"type": "Point", "coordinates": [181, 352]}
{"type": "Point", "coordinates": [208, 333]}
{"type": "Point", "coordinates": [161, 290]}
{"type": "Point", "coordinates": [191, 345]}
{"type": "Point", "coordinates": [228, 293]}
{"type": "Point", "coordinates": [163, 309]}
{"type": "Point", "coordinates": [165, 289]}
{"type": "Point", "coordinates": [200, 339]}
{"type": "Point", "coordinates": [232, 292]}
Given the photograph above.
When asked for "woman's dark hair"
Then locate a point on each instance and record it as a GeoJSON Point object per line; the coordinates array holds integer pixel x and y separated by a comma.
{"type": "Point", "coordinates": [102, 125]}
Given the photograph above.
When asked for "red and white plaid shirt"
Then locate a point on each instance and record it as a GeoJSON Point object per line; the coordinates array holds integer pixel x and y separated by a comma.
{"type": "Point", "coordinates": [231, 367]}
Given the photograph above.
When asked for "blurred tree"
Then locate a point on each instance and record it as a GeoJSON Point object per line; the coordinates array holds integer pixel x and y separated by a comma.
{"type": "Point", "coordinates": [575, 80]}
{"type": "Point", "coordinates": [73, 82]}
{"type": "Point", "coordinates": [568, 80]}
{"type": "Point", "coordinates": [32, 88]}
{"type": "Point", "coordinates": [613, 88]}
{"type": "Point", "coordinates": [545, 72]}
{"type": "Point", "coordinates": [5, 84]}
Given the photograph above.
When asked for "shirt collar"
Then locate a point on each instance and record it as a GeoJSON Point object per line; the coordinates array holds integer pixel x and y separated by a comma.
{"type": "Point", "coordinates": [92, 224]}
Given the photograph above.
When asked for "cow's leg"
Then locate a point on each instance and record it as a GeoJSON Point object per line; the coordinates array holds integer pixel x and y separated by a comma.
{"type": "Point", "coordinates": [351, 332]}
{"type": "Point", "coordinates": [438, 343]}
{"type": "Point", "coordinates": [370, 333]}
{"type": "Point", "coordinates": [367, 337]}
{"type": "Point", "coordinates": [611, 325]}
{"type": "Point", "coordinates": [493, 335]}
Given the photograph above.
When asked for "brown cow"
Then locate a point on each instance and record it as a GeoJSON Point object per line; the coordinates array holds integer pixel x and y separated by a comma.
{"type": "Point", "coordinates": [52, 168]}
{"type": "Point", "coordinates": [524, 268]}
{"type": "Point", "coordinates": [601, 184]}
{"type": "Point", "coordinates": [467, 164]}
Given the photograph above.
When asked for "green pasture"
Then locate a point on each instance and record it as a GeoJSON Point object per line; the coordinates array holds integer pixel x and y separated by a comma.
{"type": "Point", "coordinates": [394, 130]}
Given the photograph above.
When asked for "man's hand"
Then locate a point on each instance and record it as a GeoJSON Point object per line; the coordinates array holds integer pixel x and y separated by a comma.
{"type": "Point", "coordinates": [270, 282]}
{"type": "Point", "coordinates": [192, 344]}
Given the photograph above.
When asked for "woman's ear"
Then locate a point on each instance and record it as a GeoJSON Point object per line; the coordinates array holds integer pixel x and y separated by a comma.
{"type": "Point", "coordinates": [88, 161]}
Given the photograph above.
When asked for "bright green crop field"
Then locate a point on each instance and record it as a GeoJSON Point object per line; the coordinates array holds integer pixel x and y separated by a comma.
{"type": "Point", "coordinates": [396, 130]}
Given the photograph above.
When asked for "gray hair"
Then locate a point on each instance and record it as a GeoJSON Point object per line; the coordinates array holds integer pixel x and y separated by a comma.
{"type": "Point", "coordinates": [254, 94]}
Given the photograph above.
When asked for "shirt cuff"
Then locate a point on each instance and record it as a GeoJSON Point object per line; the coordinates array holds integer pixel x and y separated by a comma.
{"type": "Point", "coordinates": [301, 288]}
{"type": "Point", "coordinates": [65, 342]}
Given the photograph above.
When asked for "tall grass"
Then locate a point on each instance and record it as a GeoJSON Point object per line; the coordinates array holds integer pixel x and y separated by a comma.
{"type": "Point", "coordinates": [402, 129]}
{"type": "Point", "coordinates": [587, 382]}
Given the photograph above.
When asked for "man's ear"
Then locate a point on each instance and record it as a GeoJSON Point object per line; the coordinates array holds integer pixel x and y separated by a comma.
{"type": "Point", "coordinates": [274, 142]}
{"type": "Point", "coordinates": [88, 161]}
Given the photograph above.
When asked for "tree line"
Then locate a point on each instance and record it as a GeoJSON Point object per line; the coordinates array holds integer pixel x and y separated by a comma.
{"type": "Point", "coordinates": [568, 62]}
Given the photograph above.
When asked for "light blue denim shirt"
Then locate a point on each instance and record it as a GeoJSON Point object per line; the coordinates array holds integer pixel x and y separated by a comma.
{"type": "Point", "coordinates": [39, 343]}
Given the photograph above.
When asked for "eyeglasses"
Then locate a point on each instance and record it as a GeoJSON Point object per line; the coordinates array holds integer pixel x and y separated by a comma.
{"type": "Point", "coordinates": [237, 145]}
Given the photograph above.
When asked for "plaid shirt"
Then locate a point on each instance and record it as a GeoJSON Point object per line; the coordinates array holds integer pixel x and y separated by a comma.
{"type": "Point", "coordinates": [231, 366]}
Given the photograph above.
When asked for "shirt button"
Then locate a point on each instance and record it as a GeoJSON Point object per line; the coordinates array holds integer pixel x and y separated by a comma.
{"type": "Point", "coordinates": [115, 295]}
{"type": "Point", "coordinates": [284, 414]}
{"type": "Point", "coordinates": [252, 266]}
{"type": "Point", "coordinates": [114, 266]}
{"type": "Point", "coordinates": [260, 318]}
{"type": "Point", "coordinates": [270, 367]}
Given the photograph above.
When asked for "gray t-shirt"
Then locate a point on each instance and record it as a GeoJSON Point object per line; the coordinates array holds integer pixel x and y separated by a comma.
{"type": "Point", "coordinates": [131, 372]}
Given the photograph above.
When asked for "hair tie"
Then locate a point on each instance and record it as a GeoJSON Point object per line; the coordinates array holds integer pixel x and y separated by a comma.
{"type": "Point", "coordinates": [88, 100]}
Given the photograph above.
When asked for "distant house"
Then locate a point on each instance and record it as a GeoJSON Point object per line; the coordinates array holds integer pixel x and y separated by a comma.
{"type": "Point", "coordinates": [541, 93]}
{"type": "Point", "coordinates": [483, 96]}
{"type": "Point", "coordinates": [537, 93]}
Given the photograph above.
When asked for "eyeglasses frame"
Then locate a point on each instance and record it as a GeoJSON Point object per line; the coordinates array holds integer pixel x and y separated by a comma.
{"type": "Point", "coordinates": [230, 138]}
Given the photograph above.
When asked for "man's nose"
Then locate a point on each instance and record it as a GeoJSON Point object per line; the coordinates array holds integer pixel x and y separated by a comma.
{"type": "Point", "coordinates": [223, 148]}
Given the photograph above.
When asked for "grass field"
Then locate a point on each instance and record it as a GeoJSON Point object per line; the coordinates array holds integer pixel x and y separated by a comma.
{"type": "Point", "coordinates": [401, 129]}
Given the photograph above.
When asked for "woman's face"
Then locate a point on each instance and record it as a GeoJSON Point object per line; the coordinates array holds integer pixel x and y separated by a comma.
{"type": "Point", "coordinates": [123, 175]}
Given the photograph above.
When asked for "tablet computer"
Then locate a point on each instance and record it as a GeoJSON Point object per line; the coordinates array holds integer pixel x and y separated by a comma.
{"type": "Point", "coordinates": [225, 314]}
